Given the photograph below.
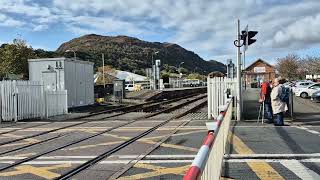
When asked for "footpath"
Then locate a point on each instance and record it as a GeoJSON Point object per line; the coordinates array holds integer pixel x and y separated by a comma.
{"type": "Point", "coordinates": [265, 151]}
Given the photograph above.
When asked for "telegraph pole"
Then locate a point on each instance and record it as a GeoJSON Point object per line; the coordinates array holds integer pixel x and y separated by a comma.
{"type": "Point", "coordinates": [239, 97]}
{"type": "Point", "coordinates": [104, 82]}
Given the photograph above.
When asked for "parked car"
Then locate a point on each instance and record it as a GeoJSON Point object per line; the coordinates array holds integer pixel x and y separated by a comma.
{"type": "Point", "coordinates": [316, 96]}
{"type": "Point", "coordinates": [301, 84]}
{"type": "Point", "coordinates": [305, 92]}
{"type": "Point", "coordinates": [129, 87]}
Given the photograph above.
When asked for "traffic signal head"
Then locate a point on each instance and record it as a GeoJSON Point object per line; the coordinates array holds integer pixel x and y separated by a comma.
{"type": "Point", "coordinates": [250, 35]}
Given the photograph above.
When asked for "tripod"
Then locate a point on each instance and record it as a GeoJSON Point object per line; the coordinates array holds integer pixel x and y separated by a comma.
{"type": "Point", "coordinates": [261, 112]}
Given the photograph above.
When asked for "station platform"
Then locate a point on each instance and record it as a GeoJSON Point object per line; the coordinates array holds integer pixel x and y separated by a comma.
{"type": "Point", "coordinates": [265, 151]}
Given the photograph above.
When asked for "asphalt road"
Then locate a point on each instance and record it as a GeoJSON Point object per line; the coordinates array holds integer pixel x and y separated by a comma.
{"type": "Point", "coordinates": [264, 151]}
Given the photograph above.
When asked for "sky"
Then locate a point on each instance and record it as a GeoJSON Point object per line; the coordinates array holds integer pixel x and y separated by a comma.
{"type": "Point", "coordinates": [206, 27]}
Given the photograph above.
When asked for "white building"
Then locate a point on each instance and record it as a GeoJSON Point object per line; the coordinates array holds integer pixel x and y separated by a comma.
{"type": "Point", "coordinates": [65, 74]}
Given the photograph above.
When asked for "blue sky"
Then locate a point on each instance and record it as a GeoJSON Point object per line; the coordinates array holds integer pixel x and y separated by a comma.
{"type": "Point", "coordinates": [207, 27]}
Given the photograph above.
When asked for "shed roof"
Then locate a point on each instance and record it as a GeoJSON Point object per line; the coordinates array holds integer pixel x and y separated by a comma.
{"type": "Point", "coordinates": [60, 59]}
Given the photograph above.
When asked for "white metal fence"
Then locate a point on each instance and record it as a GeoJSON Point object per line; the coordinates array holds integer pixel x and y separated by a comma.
{"type": "Point", "coordinates": [218, 88]}
{"type": "Point", "coordinates": [212, 169]}
{"type": "Point", "coordinates": [28, 99]}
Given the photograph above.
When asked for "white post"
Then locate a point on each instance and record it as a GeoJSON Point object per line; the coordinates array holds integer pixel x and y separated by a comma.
{"type": "Point", "coordinates": [239, 98]}
{"type": "Point", "coordinates": [104, 82]}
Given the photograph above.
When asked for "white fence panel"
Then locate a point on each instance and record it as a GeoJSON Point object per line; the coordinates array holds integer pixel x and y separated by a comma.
{"type": "Point", "coordinates": [30, 99]}
{"type": "Point", "coordinates": [27, 100]}
{"type": "Point", "coordinates": [217, 93]}
{"type": "Point", "coordinates": [56, 102]}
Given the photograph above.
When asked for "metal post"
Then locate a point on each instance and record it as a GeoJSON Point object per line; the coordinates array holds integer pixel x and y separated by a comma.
{"type": "Point", "coordinates": [239, 98]}
{"type": "Point", "coordinates": [104, 82]}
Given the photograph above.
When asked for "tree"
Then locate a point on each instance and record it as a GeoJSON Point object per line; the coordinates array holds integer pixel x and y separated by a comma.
{"type": "Point", "coordinates": [195, 76]}
{"type": "Point", "coordinates": [14, 58]}
{"type": "Point", "coordinates": [288, 67]}
{"type": "Point", "coordinates": [311, 64]}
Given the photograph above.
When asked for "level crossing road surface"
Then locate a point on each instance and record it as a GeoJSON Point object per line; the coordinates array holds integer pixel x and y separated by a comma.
{"type": "Point", "coordinates": [255, 151]}
{"type": "Point", "coordinates": [265, 151]}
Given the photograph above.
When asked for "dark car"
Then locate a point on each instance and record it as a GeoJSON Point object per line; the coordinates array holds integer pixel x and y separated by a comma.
{"type": "Point", "coordinates": [315, 96]}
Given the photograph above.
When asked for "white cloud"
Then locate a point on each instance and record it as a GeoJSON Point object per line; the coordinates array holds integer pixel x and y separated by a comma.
{"type": "Point", "coordinates": [40, 27]}
{"type": "Point", "coordinates": [9, 22]}
{"type": "Point", "coordinates": [204, 26]}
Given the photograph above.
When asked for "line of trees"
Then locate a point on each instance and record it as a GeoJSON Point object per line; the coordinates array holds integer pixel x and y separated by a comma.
{"type": "Point", "coordinates": [293, 67]}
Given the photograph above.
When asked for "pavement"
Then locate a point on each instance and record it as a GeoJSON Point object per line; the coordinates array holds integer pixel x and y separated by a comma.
{"type": "Point", "coordinates": [265, 151]}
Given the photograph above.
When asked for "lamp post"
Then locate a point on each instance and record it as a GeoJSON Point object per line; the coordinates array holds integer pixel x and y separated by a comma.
{"type": "Point", "coordinates": [154, 70]}
{"type": "Point", "coordinates": [74, 53]}
{"type": "Point", "coordinates": [180, 73]}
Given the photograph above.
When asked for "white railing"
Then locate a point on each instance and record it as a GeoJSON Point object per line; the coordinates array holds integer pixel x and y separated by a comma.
{"type": "Point", "coordinates": [56, 103]}
{"type": "Point", "coordinates": [217, 89]}
{"type": "Point", "coordinates": [212, 170]}
{"type": "Point", "coordinates": [207, 164]}
{"type": "Point", "coordinates": [28, 99]}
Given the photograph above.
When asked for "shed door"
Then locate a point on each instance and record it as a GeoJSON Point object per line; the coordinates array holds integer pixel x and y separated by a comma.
{"type": "Point", "coordinates": [50, 80]}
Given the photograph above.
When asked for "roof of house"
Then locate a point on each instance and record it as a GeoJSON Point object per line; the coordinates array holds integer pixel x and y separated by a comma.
{"type": "Point", "coordinates": [252, 64]}
{"type": "Point", "coordinates": [61, 59]}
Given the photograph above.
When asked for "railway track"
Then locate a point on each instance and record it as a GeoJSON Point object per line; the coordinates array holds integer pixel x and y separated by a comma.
{"type": "Point", "coordinates": [93, 161]}
{"type": "Point", "coordinates": [85, 121]}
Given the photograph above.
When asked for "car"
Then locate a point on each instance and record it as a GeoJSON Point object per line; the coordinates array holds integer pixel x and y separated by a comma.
{"type": "Point", "coordinates": [301, 84]}
{"type": "Point", "coordinates": [129, 87]}
{"type": "Point", "coordinates": [305, 92]}
{"type": "Point", "coordinates": [316, 96]}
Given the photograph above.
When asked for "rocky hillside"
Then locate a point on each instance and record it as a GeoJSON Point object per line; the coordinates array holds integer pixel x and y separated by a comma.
{"type": "Point", "coordinates": [132, 54]}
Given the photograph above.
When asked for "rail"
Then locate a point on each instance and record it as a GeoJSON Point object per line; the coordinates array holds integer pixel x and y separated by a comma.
{"type": "Point", "coordinates": [208, 161]}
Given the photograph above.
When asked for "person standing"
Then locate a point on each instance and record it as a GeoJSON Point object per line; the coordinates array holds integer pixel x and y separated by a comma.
{"type": "Point", "coordinates": [278, 106]}
{"type": "Point", "coordinates": [266, 99]}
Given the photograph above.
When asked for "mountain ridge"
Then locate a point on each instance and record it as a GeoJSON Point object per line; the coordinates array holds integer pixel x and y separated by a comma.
{"type": "Point", "coordinates": [132, 54]}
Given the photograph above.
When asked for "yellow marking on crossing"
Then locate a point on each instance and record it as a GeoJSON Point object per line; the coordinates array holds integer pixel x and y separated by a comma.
{"type": "Point", "coordinates": [99, 129]}
{"type": "Point", "coordinates": [157, 171]}
{"type": "Point", "coordinates": [15, 144]}
{"type": "Point", "coordinates": [177, 134]}
{"type": "Point", "coordinates": [154, 142]}
{"type": "Point", "coordinates": [30, 140]}
{"type": "Point", "coordinates": [93, 145]}
{"type": "Point", "coordinates": [25, 155]}
{"type": "Point", "coordinates": [149, 138]}
{"type": "Point", "coordinates": [262, 169]}
{"type": "Point", "coordinates": [43, 172]}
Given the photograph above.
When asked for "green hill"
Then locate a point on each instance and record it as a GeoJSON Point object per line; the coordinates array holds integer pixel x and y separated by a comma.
{"type": "Point", "coordinates": [132, 54]}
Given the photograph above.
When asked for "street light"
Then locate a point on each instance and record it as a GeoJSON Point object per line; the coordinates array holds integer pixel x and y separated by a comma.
{"type": "Point", "coordinates": [180, 76]}
{"type": "Point", "coordinates": [154, 69]}
{"type": "Point", "coordinates": [74, 53]}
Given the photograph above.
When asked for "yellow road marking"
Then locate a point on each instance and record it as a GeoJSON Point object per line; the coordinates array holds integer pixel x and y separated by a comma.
{"type": "Point", "coordinates": [156, 137]}
{"type": "Point", "coordinates": [98, 129]}
{"type": "Point", "coordinates": [154, 142]}
{"type": "Point", "coordinates": [157, 171]}
{"type": "Point", "coordinates": [43, 172]}
{"type": "Point", "coordinates": [262, 169]}
{"type": "Point", "coordinates": [25, 155]}
{"type": "Point", "coordinates": [15, 144]}
{"type": "Point", "coordinates": [93, 145]}
{"type": "Point", "coordinates": [30, 140]}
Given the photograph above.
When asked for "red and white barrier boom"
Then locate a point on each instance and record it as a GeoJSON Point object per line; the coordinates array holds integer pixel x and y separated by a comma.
{"type": "Point", "coordinates": [208, 161]}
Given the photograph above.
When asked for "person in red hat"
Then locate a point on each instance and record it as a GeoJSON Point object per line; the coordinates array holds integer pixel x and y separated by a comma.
{"type": "Point", "coordinates": [266, 99]}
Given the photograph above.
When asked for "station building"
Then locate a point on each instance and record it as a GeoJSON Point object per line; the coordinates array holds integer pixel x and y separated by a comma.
{"type": "Point", "coordinates": [72, 75]}
{"type": "Point", "coordinates": [259, 71]}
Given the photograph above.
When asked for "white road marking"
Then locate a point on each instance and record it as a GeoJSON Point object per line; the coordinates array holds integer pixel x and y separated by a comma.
{"type": "Point", "coordinates": [271, 155]}
{"type": "Point", "coordinates": [308, 130]}
{"type": "Point", "coordinates": [300, 170]}
{"type": "Point", "coordinates": [316, 160]}
{"type": "Point", "coordinates": [159, 161]}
